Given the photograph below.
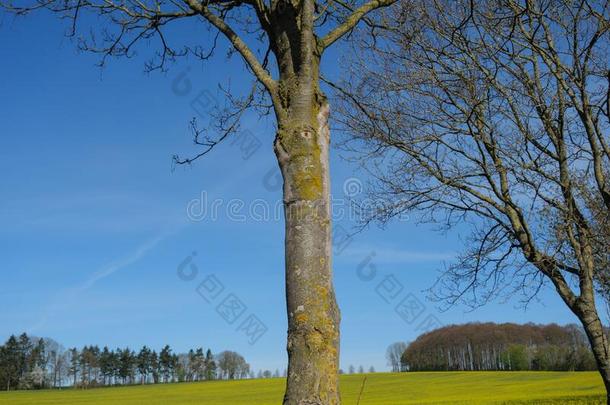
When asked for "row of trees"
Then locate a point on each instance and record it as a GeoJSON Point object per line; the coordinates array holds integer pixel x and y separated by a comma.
{"type": "Point", "coordinates": [93, 366]}
{"type": "Point", "coordinates": [508, 346]}
{"type": "Point", "coordinates": [28, 362]}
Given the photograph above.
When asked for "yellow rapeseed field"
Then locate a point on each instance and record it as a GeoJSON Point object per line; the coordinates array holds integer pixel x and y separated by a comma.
{"type": "Point", "coordinates": [379, 388]}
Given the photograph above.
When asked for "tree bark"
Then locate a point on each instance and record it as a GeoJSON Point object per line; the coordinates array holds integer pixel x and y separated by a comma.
{"type": "Point", "coordinates": [587, 314]}
{"type": "Point", "coordinates": [302, 147]}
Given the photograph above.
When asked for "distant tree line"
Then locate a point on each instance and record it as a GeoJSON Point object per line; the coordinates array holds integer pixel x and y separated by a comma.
{"type": "Point", "coordinates": [28, 362]}
{"type": "Point", "coordinates": [508, 346]}
{"type": "Point", "coordinates": [352, 370]}
{"type": "Point", "coordinates": [276, 374]}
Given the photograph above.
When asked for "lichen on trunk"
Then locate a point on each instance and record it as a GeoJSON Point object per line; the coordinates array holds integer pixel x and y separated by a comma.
{"type": "Point", "coordinates": [313, 316]}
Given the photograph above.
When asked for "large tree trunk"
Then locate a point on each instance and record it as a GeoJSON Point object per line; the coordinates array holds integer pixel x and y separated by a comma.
{"type": "Point", "coordinates": [587, 314]}
{"type": "Point", "coordinates": [302, 147]}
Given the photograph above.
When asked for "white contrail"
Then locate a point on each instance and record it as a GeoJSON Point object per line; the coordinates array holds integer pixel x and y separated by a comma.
{"type": "Point", "coordinates": [114, 267]}
{"type": "Point", "coordinates": [62, 300]}
{"type": "Point", "coordinates": [69, 294]}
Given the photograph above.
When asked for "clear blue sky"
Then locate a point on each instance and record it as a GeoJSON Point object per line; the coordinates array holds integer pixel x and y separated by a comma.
{"type": "Point", "coordinates": [93, 222]}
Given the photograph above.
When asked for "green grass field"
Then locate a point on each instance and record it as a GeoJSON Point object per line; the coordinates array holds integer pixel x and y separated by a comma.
{"type": "Point", "coordinates": [380, 388]}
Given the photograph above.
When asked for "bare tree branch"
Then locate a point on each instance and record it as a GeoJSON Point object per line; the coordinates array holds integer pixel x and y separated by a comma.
{"type": "Point", "coordinates": [352, 21]}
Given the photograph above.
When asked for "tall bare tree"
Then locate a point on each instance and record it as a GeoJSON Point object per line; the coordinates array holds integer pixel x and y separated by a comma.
{"type": "Point", "coordinates": [295, 34]}
{"type": "Point", "coordinates": [394, 354]}
{"type": "Point", "coordinates": [495, 114]}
